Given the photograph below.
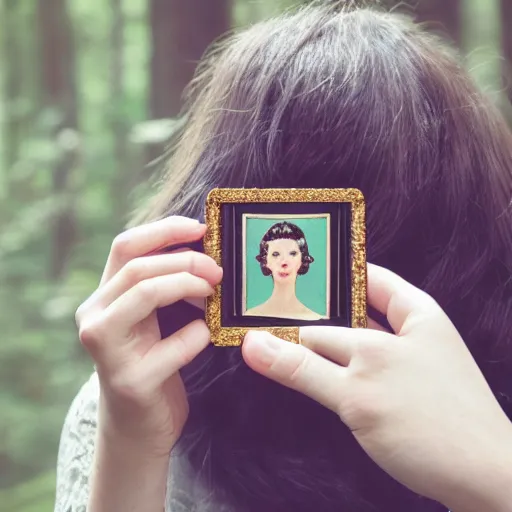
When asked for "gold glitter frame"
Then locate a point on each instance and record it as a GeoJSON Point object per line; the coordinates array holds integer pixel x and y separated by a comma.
{"type": "Point", "coordinates": [233, 336]}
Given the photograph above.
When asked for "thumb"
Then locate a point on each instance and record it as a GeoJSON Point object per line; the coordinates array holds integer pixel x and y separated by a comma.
{"type": "Point", "coordinates": [295, 367]}
{"type": "Point", "coordinates": [396, 298]}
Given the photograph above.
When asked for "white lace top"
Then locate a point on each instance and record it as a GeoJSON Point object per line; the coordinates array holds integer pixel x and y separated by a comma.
{"type": "Point", "coordinates": [76, 456]}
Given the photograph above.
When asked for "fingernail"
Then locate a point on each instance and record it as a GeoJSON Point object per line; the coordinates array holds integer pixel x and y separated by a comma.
{"type": "Point", "coordinates": [268, 347]}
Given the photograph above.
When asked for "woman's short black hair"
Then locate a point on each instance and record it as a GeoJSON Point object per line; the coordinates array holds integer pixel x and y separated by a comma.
{"type": "Point", "coordinates": [288, 231]}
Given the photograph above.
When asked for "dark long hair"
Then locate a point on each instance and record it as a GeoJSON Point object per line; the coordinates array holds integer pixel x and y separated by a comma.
{"type": "Point", "coordinates": [286, 230]}
{"type": "Point", "coordinates": [330, 97]}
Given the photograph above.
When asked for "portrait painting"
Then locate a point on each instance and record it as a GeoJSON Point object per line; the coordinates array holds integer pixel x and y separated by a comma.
{"type": "Point", "coordinates": [291, 258]}
{"type": "Point", "coordinates": [286, 267]}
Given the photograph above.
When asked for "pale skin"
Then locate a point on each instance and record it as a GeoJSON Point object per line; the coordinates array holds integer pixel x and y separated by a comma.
{"type": "Point", "coordinates": [284, 260]}
{"type": "Point", "coordinates": [415, 400]}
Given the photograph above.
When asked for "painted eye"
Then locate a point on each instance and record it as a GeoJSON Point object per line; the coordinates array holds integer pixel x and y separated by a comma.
{"type": "Point", "coordinates": [275, 254]}
{"type": "Point", "coordinates": [293, 253]}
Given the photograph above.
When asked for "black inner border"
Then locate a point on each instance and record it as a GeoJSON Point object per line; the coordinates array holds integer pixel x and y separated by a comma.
{"type": "Point", "coordinates": [232, 254]}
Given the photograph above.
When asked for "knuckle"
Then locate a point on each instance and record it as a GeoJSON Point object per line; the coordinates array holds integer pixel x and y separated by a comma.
{"type": "Point", "coordinates": [299, 366]}
{"type": "Point", "coordinates": [186, 282]}
{"type": "Point", "coordinates": [183, 355]}
{"type": "Point", "coordinates": [194, 262]}
{"type": "Point", "coordinates": [200, 262]}
{"type": "Point", "coordinates": [83, 309]}
{"type": "Point", "coordinates": [121, 245]}
{"type": "Point", "coordinates": [202, 286]}
{"type": "Point", "coordinates": [79, 314]}
{"type": "Point", "coordinates": [146, 290]}
{"type": "Point", "coordinates": [427, 305]}
{"type": "Point", "coordinates": [90, 333]}
{"type": "Point", "coordinates": [134, 271]}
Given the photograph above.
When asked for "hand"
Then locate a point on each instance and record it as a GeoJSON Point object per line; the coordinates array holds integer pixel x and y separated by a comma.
{"type": "Point", "coordinates": [415, 401]}
{"type": "Point", "coordinates": [143, 400]}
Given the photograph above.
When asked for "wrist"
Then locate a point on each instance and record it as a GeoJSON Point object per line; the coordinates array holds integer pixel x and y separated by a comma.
{"type": "Point", "coordinates": [133, 431]}
{"type": "Point", "coordinates": [120, 447]}
{"type": "Point", "coordinates": [488, 482]}
{"type": "Point", "coordinates": [126, 477]}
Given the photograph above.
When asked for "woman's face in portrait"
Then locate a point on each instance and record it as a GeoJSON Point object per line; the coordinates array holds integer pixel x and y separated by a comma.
{"type": "Point", "coordinates": [284, 259]}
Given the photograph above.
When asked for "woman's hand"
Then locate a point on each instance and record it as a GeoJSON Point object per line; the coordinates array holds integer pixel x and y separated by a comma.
{"type": "Point", "coordinates": [415, 401]}
{"type": "Point", "coordinates": [143, 402]}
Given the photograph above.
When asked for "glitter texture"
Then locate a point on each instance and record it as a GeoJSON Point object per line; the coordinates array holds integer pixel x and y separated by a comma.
{"type": "Point", "coordinates": [233, 336]}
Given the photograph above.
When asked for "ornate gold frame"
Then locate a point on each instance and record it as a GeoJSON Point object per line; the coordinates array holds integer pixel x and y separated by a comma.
{"type": "Point", "coordinates": [233, 336]}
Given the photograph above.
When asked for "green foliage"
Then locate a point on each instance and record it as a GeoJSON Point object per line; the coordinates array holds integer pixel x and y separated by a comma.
{"type": "Point", "coordinates": [41, 362]}
{"type": "Point", "coordinates": [32, 496]}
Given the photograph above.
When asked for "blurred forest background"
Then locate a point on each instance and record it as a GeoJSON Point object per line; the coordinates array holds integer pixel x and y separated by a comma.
{"type": "Point", "coordinates": [90, 92]}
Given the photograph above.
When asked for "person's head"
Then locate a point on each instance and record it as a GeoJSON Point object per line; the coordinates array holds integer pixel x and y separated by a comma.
{"type": "Point", "coordinates": [284, 252]}
{"type": "Point", "coordinates": [344, 97]}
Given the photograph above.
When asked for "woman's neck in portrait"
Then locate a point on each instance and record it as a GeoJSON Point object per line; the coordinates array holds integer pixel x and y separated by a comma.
{"type": "Point", "coordinates": [283, 295]}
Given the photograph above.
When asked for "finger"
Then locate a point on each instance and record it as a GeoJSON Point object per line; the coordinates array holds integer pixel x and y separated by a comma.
{"type": "Point", "coordinates": [140, 269]}
{"type": "Point", "coordinates": [196, 302]}
{"type": "Point", "coordinates": [140, 301]}
{"type": "Point", "coordinates": [296, 367]}
{"type": "Point", "coordinates": [338, 344]}
{"type": "Point", "coordinates": [328, 342]}
{"type": "Point", "coordinates": [147, 238]}
{"type": "Point", "coordinates": [394, 297]}
{"type": "Point", "coordinates": [173, 353]}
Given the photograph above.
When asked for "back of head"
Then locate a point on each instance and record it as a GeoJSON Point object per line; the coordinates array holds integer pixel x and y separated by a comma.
{"type": "Point", "coordinates": [344, 97]}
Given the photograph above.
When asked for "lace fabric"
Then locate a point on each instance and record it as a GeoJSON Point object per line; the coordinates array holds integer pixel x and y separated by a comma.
{"type": "Point", "coordinates": [76, 453]}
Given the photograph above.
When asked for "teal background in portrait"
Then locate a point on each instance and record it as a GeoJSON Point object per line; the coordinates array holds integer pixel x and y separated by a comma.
{"type": "Point", "coordinates": [311, 287]}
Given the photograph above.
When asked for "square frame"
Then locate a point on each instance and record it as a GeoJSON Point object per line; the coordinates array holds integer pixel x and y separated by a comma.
{"type": "Point", "coordinates": [232, 214]}
{"type": "Point", "coordinates": [224, 206]}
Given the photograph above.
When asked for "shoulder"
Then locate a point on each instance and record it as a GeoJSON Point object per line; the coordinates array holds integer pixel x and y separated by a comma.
{"type": "Point", "coordinates": [309, 314]}
{"type": "Point", "coordinates": [256, 311]}
{"type": "Point", "coordinates": [76, 449]}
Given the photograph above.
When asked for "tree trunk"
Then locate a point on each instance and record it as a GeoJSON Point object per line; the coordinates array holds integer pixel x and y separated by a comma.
{"type": "Point", "coordinates": [444, 16]}
{"type": "Point", "coordinates": [59, 96]}
{"type": "Point", "coordinates": [506, 31]}
{"type": "Point", "coordinates": [121, 182]}
{"type": "Point", "coordinates": [181, 32]}
{"type": "Point", "coordinates": [13, 82]}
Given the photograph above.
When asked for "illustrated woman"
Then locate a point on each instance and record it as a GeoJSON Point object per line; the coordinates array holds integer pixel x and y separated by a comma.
{"type": "Point", "coordinates": [284, 255]}
{"type": "Point", "coordinates": [412, 414]}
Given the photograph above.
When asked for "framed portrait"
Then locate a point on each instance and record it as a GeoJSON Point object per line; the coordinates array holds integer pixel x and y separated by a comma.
{"type": "Point", "coordinates": [291, 257]}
